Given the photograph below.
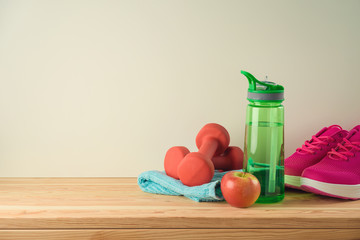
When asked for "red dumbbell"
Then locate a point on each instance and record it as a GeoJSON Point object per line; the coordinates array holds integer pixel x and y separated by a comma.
{"type": "Point", "coordinates": [197, 168]}
{"type": "Point", "coordinates": [231, 159]}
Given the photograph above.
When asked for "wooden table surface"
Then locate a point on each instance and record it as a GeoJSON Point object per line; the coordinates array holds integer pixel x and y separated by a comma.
{"type": "Point", "coordinates": [116, 208]}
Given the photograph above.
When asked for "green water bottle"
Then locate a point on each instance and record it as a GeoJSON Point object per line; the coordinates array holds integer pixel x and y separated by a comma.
{"type": "Point", "coordinates": [264, 137]}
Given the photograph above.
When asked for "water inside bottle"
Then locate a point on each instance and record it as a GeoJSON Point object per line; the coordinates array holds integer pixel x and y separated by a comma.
{"type": "Point", "coordinates": [264, 154]}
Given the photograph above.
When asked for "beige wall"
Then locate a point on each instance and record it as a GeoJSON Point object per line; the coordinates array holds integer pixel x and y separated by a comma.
{"type": "Point", "coordinates": [104, 88]}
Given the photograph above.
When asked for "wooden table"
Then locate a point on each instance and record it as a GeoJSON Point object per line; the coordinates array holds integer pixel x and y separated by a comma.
{"type": "Point", "coordinates": [116, 208]}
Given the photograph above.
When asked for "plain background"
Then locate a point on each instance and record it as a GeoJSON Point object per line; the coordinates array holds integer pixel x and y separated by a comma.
{"type": "Point", "coordinates": [104, 88]}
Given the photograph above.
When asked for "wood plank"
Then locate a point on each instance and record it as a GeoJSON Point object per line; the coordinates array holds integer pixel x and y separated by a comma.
{"type": "Point", "coordinates": [34, 203]}
{"type": "Point", "coordinates": [67, 180]}
{"type": "Point", "coordinates": [147, 234]}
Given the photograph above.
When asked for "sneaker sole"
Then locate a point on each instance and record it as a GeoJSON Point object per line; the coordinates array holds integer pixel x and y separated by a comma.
{"type": "Point", "coordinates": [293, 181]}
{"type": "Point", "coordinates": [330, 189]}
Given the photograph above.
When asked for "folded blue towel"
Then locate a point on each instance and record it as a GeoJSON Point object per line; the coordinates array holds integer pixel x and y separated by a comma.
{"type": "Point", "coordinates": [160, 183]}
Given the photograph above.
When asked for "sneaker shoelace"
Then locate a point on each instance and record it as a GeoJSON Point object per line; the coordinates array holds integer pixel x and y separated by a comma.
{"type": "Point", "coordinates": [343, 150]}
{"type": "Point", "coordinates": [311, 146]}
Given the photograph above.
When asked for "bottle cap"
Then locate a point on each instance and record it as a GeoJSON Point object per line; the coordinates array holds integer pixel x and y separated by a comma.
{"type": "Point", "coordinates": [263, 91]}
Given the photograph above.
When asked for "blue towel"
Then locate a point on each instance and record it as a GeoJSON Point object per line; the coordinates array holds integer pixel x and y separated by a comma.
{"type": "Point", "coordinates": [158, 182]}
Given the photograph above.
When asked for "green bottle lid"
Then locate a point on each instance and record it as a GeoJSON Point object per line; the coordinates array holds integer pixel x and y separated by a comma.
{"type": "Point", "coordinates": [263, 91]}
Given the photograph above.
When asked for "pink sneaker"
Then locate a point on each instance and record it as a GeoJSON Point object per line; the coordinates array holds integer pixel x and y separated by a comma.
{"type": "Point", "coordinates": [338, 174]}
{"type": "Point", "coordinates": [311, 153]}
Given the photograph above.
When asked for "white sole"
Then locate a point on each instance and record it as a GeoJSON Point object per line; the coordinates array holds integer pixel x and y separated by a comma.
{"type": "Point", "coordinates": [337, 190]}
{"type": "Point", "coordinates": [293, 180]}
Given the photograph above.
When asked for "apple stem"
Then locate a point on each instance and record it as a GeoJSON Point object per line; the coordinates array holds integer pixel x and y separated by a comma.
{"type": "Point", "coordinates": [239, 174]}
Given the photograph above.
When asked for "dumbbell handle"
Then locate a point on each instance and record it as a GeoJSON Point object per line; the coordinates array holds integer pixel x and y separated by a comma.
{"type": "Point", "coordinates": [208, 148]}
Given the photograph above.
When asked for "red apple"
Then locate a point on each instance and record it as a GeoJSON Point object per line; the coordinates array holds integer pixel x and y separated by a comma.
{"type": "Point", "coordinates": [240, 189]}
